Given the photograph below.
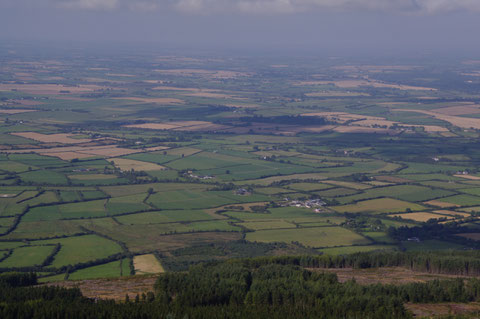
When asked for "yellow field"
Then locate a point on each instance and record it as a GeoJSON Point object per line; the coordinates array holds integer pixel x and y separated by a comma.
{"type": "Point", "coordinates": [440, 204]}
{"type": "Point", "coordinates": [452, 213]}
{"type": "Point", "coordinates": [15, 111]}
{"type": "Point", "coordinates": [475, 178]}
{"type": "Point", "coordinates": [128, 164]}
{"type": "Point", "coordinates": [147, 264]}
{"type": "Point", "coordinates": [420, 217]}
{"type": "Point", "coordinates": [463, 122]}
{"type": "Point", "coordinates": [360, 83]}
{"type": "Point", "coordinates": [459, 109]}
{"type": "Point", "coordinates": [52, 138]}
{"type": "Point", "coordinates": [158, 100]}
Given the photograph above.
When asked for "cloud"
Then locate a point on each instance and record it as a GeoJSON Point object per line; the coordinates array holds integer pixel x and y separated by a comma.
{"type": "Point", "coordinates": [88, 4]}
{"type": "Point", "coordinates": [292, 6]}
{"type": "Point", "coordinates": [279, 6]}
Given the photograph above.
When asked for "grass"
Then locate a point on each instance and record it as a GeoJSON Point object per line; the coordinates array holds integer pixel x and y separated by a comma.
{"type": "Point", "coordinates": [111, 269]}
{"type": "Point", "coordinates": [10, 244]}
{"type": "Point", "coordinates": [44, 229]}
{"type": "Point", "coordinates": [67, 211]}
{"type": "Point", "coordinates": [269, 180]}
{"type": "Point", "coordinates": [80, 249]}
{"type": "Point", "coordinates": [92, 194]}
{"type": "Point", "coordinates": [462, 200]}
{"type": "Point", "coordinates": [313, 237]}
{"type": "Point", "coordinates": [165, 216]}
{"type": "Point", "coordinates": [126, 204]}
{"type": "Point", "coordinates": [27, 256]}
{"type": "Point", "coordinates": [427, 245]}
{"type": "Point", "coordinates": [266, 224]}
{"type": "Point", "coordinates": [69, 196]}
{"type": "Point", "coordinates": [377, 206]}
{"type": "Point", "coordinates": [286, 213]}
{"type": "Point", "coordinates": [200, 226]}
{"type": "Point", "coordinates": [471, 191]}
{"type": "Point", "coordinates": [307, 187]}
{"type": "Point", "coordinates": [379, 237]}
{"type": "Point", "coordinates": [89, 177]}
{"type": "Point", "coordinates": [353, 185]}
{"type": "Point", "coordinates": [44, 177]}
{"type": "Point", "coordinates": [54, 278]}
{"type": "Point", "coordinates": [15, 167]}
{"type": "Point", "coordinates": [411, 193]}
{"type": "Point", "coordinates": [334, 192]}
{"type": "Point", "coordinates": [355, 249]}
{"type": "Point", "coordinates": [125, 190]}
{"type": "Point", "coordinates": [190, 199]}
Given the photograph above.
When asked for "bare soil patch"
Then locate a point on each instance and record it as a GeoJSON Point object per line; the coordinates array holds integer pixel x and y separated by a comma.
{"type": "Point", "coordinates": [112, 288]}
{"type": "Point", "coordinates": [429, 310]}
{"type": "Point", "coordinates": [384, 275]}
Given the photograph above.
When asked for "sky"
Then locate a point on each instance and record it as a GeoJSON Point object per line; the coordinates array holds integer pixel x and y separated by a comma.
{"type": "Point", "coordinates": [390, 26]}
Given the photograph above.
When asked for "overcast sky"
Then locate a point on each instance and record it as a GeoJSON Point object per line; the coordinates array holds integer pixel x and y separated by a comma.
{"type": "Point", "coordinates": [363, 25]}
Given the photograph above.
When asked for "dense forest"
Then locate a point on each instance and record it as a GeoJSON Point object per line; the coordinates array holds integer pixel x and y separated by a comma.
{"type": "Point", "coordinates": [269, 287]}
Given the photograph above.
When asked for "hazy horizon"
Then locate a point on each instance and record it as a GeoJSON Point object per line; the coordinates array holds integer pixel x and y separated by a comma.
{"type": "Point", "coordinates": [392, 27]}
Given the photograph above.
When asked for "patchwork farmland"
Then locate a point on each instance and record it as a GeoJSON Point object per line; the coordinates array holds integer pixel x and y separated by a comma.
{"type": "Point", "coordinates": [150, 168]}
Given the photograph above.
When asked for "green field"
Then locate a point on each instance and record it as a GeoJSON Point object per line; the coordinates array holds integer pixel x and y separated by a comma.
{"type": "Point", "coordinates": [355, 249]}
{"type": "Point", "coordinates": [112, 269]}
{"type": "Point", "coordinates": [27, 256]}
{"type": "Point", "coordinates": [312, 237]}
{"type": "Point", "coordinates": [82, 249]}
{"type": "Point", "coordinates": [377, 206]}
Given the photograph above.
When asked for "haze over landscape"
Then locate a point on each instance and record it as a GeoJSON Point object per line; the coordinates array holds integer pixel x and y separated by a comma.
{"type": "Point", "coordinates": [372, 26]}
